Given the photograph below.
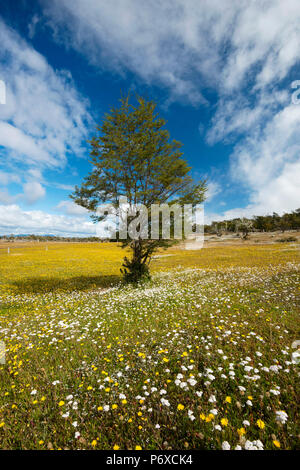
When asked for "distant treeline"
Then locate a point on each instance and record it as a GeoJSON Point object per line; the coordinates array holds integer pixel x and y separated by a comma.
{"type": "Point", "coordinates": [259, 223]}
{"type": "Point", "coordinates": [49, 238]}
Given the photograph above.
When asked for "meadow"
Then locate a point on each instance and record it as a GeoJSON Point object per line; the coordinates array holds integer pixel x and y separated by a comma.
{"type": "Point", "coordinates": [201, 357]}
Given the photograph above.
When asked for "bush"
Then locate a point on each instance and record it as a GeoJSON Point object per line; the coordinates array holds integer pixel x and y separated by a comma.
{"type": "Point", "coordinates": [287, 240]}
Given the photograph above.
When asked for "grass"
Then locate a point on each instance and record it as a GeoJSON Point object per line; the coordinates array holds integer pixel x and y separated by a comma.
{"type": "Point", "coordinates": [199, 358]}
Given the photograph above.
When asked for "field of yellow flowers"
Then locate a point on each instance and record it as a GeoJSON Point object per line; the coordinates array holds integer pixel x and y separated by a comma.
{"type": "Point", "coordinates": [201, 357]}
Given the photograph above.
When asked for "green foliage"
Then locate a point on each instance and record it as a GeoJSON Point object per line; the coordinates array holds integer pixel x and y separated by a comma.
{"type": "Point", "coordinates": [261, 223]}
{"type": "Point", "coordinates": [132, 156]}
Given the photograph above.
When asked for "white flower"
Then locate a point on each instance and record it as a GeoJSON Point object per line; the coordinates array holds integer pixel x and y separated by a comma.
{"type": "Point", "coordinates": [34, 392]}
{"type": "Point", "coordinates": [225, 445]}
{"type": "Point", "coordinates": [192, 382]}
{"type": "Point", "coordinates": [157, 426]}
{"type": "Point", "coordinates": [75, 424]}
{"type": "Point", "coordinates": [212, 399]}
{"type": "Point", "coordinates": [164, 402]}
{"type": "Point", "coordinates": [77, 435]}
{"type": "Point", "coordinates": [281, 417]}
{"type": "Point", "coordinates": [106, 408]}
{"type": "Point", "coordinates": [55, 382]}
{"type": "Point", "coordinates": [69, 397]}
{"type": "Point", "coordinates": [249, 402]}
{"type": "Point", "coordinates": [246, 422]}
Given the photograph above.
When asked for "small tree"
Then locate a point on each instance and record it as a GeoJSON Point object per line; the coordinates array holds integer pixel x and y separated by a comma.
{"type": "Point", "coordinates": [132, 156]}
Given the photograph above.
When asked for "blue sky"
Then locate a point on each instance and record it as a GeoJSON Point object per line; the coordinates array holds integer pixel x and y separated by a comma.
{"type": "Point", "coordinates": [220, 72]}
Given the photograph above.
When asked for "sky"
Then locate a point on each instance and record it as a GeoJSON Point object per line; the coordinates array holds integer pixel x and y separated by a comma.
{"type": "Point", "coordinates": [225, 76]}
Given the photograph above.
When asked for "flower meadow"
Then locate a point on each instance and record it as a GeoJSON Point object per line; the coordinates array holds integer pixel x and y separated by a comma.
{"type": "Point", "coordinates": [200, 357]}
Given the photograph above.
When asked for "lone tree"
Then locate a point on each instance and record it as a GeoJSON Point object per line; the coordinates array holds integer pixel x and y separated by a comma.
{"type": "Point", "coordinates": [133, 157]}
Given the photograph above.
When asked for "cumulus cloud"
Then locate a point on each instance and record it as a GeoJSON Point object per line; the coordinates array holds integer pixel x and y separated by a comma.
{"type": "Point", "coordinates": [44, 118]}
{"type": "Point", "coordinates": [7, 178]}
{"type": "Point", "coordinates": [15, 220]}
{"type": "Point", "coordinates": [33, 192]}
{"type": "Point", "coordinates": [70, 208]}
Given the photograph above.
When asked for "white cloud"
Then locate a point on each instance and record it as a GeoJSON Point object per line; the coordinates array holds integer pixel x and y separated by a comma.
{"type": "Point", "coordinates": [15, 220]}
{"type": "Point", "coordinates": [213, 188]}
{"type": "Point", "coordinates": [70, 208]}
{"type": "Point", "coordinates": [185, 45]}
{"type": "Point", "coordinates": [242, 50]}
{"type": "Point", "coordinates": [7, 178]}
{"type": "Point", "coordinates": [44, 118]}
{"type": "Point", "coordinates": [33, 192]}
{"type": "Point", "coordinates": [5, 197]}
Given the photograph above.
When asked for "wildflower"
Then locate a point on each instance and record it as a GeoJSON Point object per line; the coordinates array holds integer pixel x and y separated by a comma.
{"type": "Point", "coordinates": [94, 443]}
{"type": "Point", "coordinates": [281, 417]}
{"type": "Point", "coordinates": [241, 431]}
{"type": "Point", "coordinates": [228, 399]}
{"type": "Point", "coordinates": [276, 443]}
{"type": "Point", "coordinates": [61, 403]}
{"type": "Point", "coordinates": [225, 445]}
{"type": "Point", "coordinates": [138, 448]}
{"type": "Point", "coordinates": [116, 447]}
{"type": "Point", "coordinates": [224, 421]}
{"type": "Point", "coordinates": [260, 424]}
{"type": "Point", "coordinates": [180, 407]}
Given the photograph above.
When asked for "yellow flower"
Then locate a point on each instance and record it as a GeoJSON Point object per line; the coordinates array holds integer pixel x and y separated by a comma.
{"type": "Point", "coordinates": [100, 408]}
{"type": "Point", "coordinates": [114, 406]}
{"type": "Point", "coordinates": [138, 448]}
{"type": "Point", "coordinates": [202, 416]}
{"type": "Point", "coordinates": [224, 421]}
{"type": "Point", "coordinates": [90, 388]}
{"type": "Point", "coordinates": [241, 431]}
{"type": "Point", "coordinates": [124, 402]}
{"type": "Point", "coordinates": [260, 424]}
{"type": "Point", "coordinates": [228, 399]}
{"type": "Point", "coordinates": [94, 443]}
{"type": "Point", "coordinates": [61, 403]}
{"type": "Point", "coordinates": [2, 424]}
{"type": "Point", "coordinates": [180, 407]}
{"type": "Point", "coordinates": [116, 447]}
{"type": "Point", "coordinates": [276, 443]}
{"type": "Point", "coordinates": [41, 442]}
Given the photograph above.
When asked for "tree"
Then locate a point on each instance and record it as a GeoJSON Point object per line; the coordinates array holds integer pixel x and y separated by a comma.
{"type": "Point", "coordinates": [133, 157]}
